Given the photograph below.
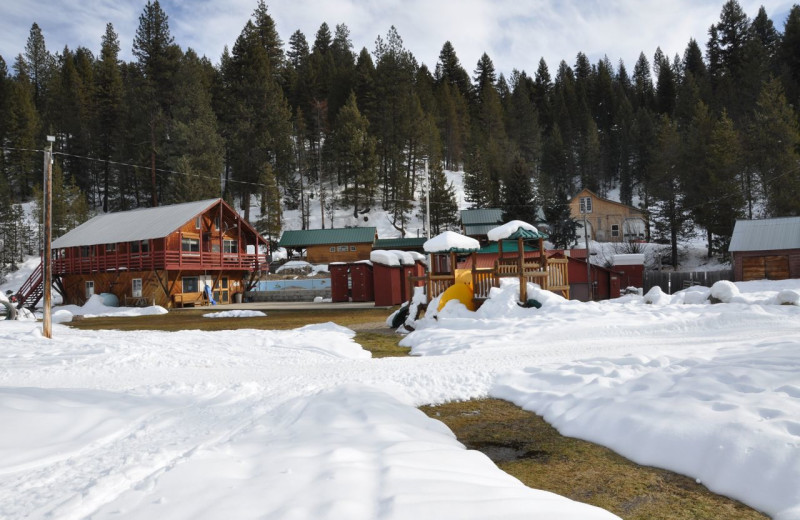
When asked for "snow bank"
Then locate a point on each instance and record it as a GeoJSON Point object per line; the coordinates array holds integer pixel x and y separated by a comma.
{"type": "Point", "coordinates": [508, 229]}
{"type": "Point", "coordinates": [94, 308]}
{"type": "Point", "coordinates": [730, 420]}
{"type": "Point", "coordinates": [235, 314]}
{"type": "Point", "coordinates": [450, 240]}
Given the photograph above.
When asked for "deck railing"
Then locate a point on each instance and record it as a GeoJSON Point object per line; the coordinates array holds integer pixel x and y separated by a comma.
{"type": "Point", "coordinates": [159, 260]}
{"type": "Point", "coordinates": [482, 282]}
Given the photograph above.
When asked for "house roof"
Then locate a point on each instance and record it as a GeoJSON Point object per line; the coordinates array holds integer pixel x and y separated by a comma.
{"type": "Point", "coordinates": [319, 237]}
{"type": "Point", "coordinates": [595, 195]}
{"type": "Point", "coordinates": [134, 225]}
{"type": "Point", "coordinates": [765, 235]}
{"type": "Point", "coordinates": [471, 217]}
{"type": "Point", "coordinates": [399, 243]}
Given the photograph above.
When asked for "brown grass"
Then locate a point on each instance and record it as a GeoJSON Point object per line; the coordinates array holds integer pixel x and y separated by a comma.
{"type": "Point", "coordinates": [524, 445]}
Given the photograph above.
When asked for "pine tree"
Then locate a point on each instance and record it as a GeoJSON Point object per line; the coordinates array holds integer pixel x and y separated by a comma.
{"type": "Point", "coordinates": [352, 153]}
{"type": "Point", "coordinates": [198, 148]}
{"type": "Point", "coordinates": [667, 211]}
{"type": "Point", "coordinates": [158, 61]}
{"type": "Point", "coordinates": [40, 66]}
{"type": "Point", "coordinates": [444, 208]}
{"type": "Point", "coordinates": [774, 141]}
{"type": "Point", "coordinates": [518, 201]}
{"type": "Point", "coordinates": [22, 168]}
{"type": "Point", "coordinates": [271, 221]}
{"type": "Point", "coordinates": [108, 101]}
{"type": "Point", "coordinates": [69, 204]}
{"type": "Point", "coordinates": [789, 53]}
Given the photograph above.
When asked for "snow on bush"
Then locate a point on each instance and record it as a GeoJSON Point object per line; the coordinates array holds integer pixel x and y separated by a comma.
{"type": "Point", "coordinates": [724, 291]}
{"type": "Point", "coordinates": [234, 314]}
{"type": "Point", "coordinates": [788, 297]}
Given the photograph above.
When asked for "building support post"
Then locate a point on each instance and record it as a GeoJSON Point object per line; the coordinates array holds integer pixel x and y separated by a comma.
{"type": "Point", "coordinates": [47, 274]}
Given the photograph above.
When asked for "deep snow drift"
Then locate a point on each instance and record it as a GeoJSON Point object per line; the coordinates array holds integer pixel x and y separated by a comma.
{"type": "Point", "coordinates": [304, 424]}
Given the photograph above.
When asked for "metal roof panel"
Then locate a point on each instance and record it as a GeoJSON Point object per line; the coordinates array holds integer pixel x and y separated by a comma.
{"type": "Point", "coordinates": [766, 234]}
{"type": "Point", "coordinates": [317, 237]}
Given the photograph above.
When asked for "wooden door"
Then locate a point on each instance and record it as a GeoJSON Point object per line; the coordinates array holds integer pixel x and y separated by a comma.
{"type": "Point", "coordinates": [753, 268]}
{"type": "Point", "coordinates": [777, 267]}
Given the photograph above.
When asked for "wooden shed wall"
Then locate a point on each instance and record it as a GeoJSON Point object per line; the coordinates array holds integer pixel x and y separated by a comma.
{"type": "Point", "coordinates": [322, 254]}
{"type": "Point", "coordinates": [770, 265]}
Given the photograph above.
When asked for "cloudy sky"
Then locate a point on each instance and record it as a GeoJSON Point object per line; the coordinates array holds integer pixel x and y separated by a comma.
{"type": "Point", "coordinates": [514, 33]}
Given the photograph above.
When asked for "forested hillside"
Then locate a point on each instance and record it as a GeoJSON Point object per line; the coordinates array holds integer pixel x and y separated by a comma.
{"type": "Point", "coordinates": [697, 140]}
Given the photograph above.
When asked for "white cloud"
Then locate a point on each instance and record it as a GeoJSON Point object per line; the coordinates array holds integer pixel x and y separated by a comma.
{"type": "Point", "coordinates": [514, 33]}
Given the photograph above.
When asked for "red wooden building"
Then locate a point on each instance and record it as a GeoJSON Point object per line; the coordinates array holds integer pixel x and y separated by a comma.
{"type": "Point", "coordinates": [184, 254]}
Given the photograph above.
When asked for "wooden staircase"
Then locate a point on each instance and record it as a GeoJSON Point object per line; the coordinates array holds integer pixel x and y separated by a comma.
{"type": "Point", "coordinates": [32, 290]}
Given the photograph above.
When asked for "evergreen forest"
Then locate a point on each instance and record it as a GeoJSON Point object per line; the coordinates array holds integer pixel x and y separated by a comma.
{"type": "Point", "coordinates": [696, 140]}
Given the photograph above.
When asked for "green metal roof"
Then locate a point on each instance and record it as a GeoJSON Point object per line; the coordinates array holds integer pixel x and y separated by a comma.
{"type": "Point", "coordinates": [474, 230]}
{"type": "Point", "coordinates": [399, 243]}
{"type": "Point", "coordinates": [318, 237]}
{"type": "Point", "coordinates": [509, 246]}
{"type": "Point", "coordinates": [471, 217]}
{"type": "Point", "coordinates": [527, 234]}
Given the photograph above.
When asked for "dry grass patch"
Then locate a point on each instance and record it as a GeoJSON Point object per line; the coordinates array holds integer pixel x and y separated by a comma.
{"type": "Point", "coordinates": [524, 445]}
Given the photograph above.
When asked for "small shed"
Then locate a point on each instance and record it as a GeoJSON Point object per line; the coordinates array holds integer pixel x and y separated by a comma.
{"type": "Point", "coordinates": [403, 244]}
{"type": "Point", "coordinates": [362, 283]}
{"type": "Point", "coordinates": [323, 246]}
{"type": "Point", "coordinates": [766, 249]}
{"type": "Point", "coordinates": [630, 268]}
{"type": "Point", "coordinates": [387, 276]}
{"type": "Point", "coordinates": [605, 282]}
{"type": "Point", "coordinates": [340, 281]}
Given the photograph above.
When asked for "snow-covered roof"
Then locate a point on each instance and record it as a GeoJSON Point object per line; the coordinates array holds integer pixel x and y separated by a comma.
{"type": "Point", "coordinates": [450, 241]}
{"type": "Point", "coordinates": [130, 226]}
{"type": "Point", "coordinates": [509, 228]}
{"type": "Point", "coordinates": [629, 259]}
{"type": "Point", "coordinates": [765, 235]}
{"type": "Point", "coordinates": [382, 257]}
{"type": "Point", "coordinates": [404, 256]}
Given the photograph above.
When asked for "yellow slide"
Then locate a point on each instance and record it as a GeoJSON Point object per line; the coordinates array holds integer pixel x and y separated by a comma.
{"type": "Point", "coordinates": [461, 290]}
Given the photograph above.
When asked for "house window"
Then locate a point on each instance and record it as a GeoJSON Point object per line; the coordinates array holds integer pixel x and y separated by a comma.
{"type": "Point", "coordinates": [352, 248]}
{"type": "Point", "coordinates": [586, 205]}
{"type": "Point", "coordinates": [342, 249]}
{"type": "Point", "coordinates": [215, 247]}
{"type": "Point", "coordinates": [189, 284]}
{"type": "Point", "coordinates": [86, 251]}
{"type": "Point", "coordinates": [197, 223]}
{"type": "Point", "coordinates": [614, 230]}
{"type": "Point", "coordinates": [216, 223]}
{"type": "Point", "coordinates": [230, 246]}
{"type": "Point", "coordinates": [191, 245]}
{"type": "Point", "coordinates": [111, 248]}
{"type": "Point", "coordinates": [333, 249]}
{"type": "Point", "coordinates": [89, 288]}
{"type": "Point", "coordinates": [142, 246]}
{"type": "Point", "coordinates": [136, 287]}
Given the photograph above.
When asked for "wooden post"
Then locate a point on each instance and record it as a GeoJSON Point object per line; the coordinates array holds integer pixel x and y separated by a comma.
{"type": "Point", "coordinates": [47, 275]}
{"type": "Point", "coordinates": [543, 263]}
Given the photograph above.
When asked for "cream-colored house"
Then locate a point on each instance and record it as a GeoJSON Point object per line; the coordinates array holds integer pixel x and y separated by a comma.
{"type": "Point", "coordinates": [607, 220]}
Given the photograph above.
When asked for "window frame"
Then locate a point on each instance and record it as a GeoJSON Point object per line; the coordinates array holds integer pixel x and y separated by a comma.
{"type": "Point", "coordinates": [189, 278]}
{"type": "Point", "coordinates": [136, 293]}
{"type": "Point", "coordinates": [88, 288]}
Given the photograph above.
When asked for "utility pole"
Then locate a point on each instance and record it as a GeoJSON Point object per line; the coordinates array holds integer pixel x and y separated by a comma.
{"type": "Point", "coordinates": [47, 261]}
{"type": "Point", "coordinates": [427, 201]}
{"type": "Point", "coordinates": [586, 207]}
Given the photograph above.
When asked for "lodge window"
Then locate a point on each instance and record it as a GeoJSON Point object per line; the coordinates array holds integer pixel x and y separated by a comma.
{"type": "Point", "coordinates": [136, 287]}
{"type": "Point", "coordinates": [352, 248]}
{"type": "Point", "coordinates": [586, 205]}
{"type": "Point", "coordinates": [230, 246]}
{"type": "Point", "coordinates": [89, 288]}
{"type": "Point", "coordinates": [191, 245]}
{"type": "Point", "coordinates": [614, 230]}
{"type": "Point", "coordinates": [215, 247]}
{"type": "Point", "coordinates": [342, 249]}
{"type": "Point", "coordinates": [86, 251]}
{"type": "Point", "coordinates": [111, 248]}
{"type": "Point", "coordinates": [333, 249]}
{"type": "Point", "coordinates": [189, 284]}
{"type": "Point", "coordinates": [142, 246]}
{"type": "Point", "coordinates": [216, 223]}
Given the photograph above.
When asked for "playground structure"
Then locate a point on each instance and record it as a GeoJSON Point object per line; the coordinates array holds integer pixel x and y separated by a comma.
{"type": "Point", "coordinates": [531, 265]}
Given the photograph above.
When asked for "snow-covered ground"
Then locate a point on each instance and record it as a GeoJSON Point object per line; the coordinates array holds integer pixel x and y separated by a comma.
{"type": "Point", "coordinates": [304, 424]}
